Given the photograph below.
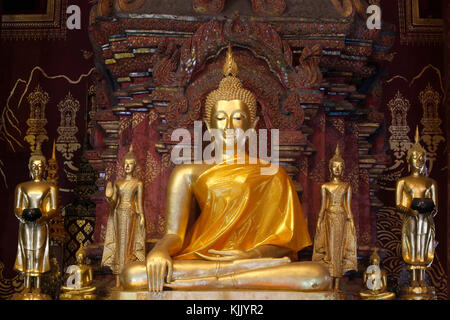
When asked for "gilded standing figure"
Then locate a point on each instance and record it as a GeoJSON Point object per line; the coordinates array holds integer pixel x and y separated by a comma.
{"type": "Point", "coordinates": [35, 203]}
{"type": "Point", "coordinates": [416, 200]}
{"type": "Point", "coordinates": [335, 239]}
{"type": "Point", "coordinates": [125, 232]}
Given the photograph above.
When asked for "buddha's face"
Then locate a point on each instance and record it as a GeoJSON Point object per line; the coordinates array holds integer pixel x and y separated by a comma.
{"type": "Point", "coordinates": [37, 168]}
{"type": "Point", "coordinates": [80, 258]}
{"type": "Point", "coordinates": [233, 114]}
{"type": "Point", "coordinates": [129, 165]}
{"type": "Point", "coordinates": [337, 168]}
{"type": "Point", "coordinates": [417, 160]}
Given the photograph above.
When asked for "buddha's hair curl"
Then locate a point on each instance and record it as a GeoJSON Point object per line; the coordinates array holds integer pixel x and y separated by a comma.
{"type": "Point", "coordinates": [230, 88]}
{"type": "Point", "coordinates": [336, 158]}
{"type": "Point", "coordinates": [130, 155]}
{"type": "Point", "coordinates": [37, 157]}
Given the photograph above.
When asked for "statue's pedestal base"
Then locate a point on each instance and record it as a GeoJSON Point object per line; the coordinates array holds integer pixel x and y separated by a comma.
{"type": "Point", "coordinates": [79, 296]}
{"type": "Point", "coordinates": [225, 295]}
{"type": "Point", "coordinates": [417, 293]}
{"type": "Point", "coordinates": [31, 296]}
{"type": "Point", "coordinates": [370, 295]}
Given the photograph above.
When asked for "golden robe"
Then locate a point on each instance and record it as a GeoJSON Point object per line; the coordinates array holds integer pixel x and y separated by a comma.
{"type": "Point", "coordinates": [125, 236]}
{"type": "Point", "coordinates": [335, 242]}
{"type": "Point", "coordinates": [243, 209]}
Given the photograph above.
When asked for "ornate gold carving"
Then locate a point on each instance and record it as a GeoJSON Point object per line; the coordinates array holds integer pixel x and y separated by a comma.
{"type": "Point", "coordinates": [339, 125]}
{"type": "Point", "coordinates": [431, 133]}
{"type": "Point", "coordinates": [48, 25]}
{"type": "Point", "coordinates": [399, 140]}
{"type": "Point", "coordinates": [417, 30]}
{"type": "Point", "coordinates": [67, 142]}
{"type": "Point", "coordinates": [2, 172]}
{"type": "Point", "coordinates": [153, 168]}
{"type": "Point", "coordinates": [8, 287]}
{"type": "Point", "coordinates": [8, 118]}
{"type": "Point", "coordinates": [36, 133]}
{"type": "Point", "coordinates": [152, 117]}
{"type": "Point", "coordinates": [124, 124]}
{"type": "Point", "coordinates": [137, 118]}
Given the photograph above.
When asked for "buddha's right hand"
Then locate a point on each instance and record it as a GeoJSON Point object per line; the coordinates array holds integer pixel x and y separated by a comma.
{"type": "Point", "coordinates": [159, 269]}
{"type": "Point", "coordinates": [109, 190]}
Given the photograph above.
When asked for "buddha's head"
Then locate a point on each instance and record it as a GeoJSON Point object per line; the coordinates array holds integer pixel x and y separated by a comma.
{"type": "Point", "coordinates": [416, 157]}
{"type": "Point", "coordinates": [129, 162]}
{"type": "Point", "coordinates": [337, 164]}
{"type": "Point", "coordinates": [36, 166]}
{"type": "Point", "coordinates": [80, 256]}
{"type": "Point", "coordinates": [230, 106]}
{"type": "Point", "coordinates": [375, 258]}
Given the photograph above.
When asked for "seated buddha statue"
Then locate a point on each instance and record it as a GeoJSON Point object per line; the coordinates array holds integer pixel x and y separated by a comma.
{"type": "Point", "coordinates": [79, 283]}
{"type": "Point", "coordinates": [375, 280]}
{"type": "Point", "coordinates": [250, 226]}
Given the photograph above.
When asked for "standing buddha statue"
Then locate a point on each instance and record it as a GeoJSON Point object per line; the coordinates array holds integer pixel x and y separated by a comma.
{"type": "Point", "coordinates": [417, 199]}
{"type": "Point", "coordinates": [335, 239]}
{"type": "Point", "coordinates": [125, 231]}
{"type": "Point", "coordinates": [35, 203]}
{"type": "Point", "coordinates": [250, 225]}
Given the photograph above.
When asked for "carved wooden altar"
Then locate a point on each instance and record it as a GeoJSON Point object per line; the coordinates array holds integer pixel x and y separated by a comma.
{"type": "Point", "coordinates": [312, 64]}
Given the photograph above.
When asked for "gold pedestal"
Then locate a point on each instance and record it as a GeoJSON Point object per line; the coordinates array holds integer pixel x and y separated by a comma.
{"type": "Point", "coordinates": [370, 295]}
{"type": "Point", "coordinates": [225, 295]}
{"type": "Point", "coordinates": [31, 296]}
{"type": "Point", "coordinates": [418, 293]}
{"type": "Point", "coordinates": [71, 296]}
{"type": "Point", "coordinates": [82, 294]}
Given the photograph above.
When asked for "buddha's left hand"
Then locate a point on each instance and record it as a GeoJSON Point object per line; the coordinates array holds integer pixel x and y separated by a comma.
{"type": "Point", "coordinates": [141, 219]}
{"type": "Point", "coordinates": [227, 255]}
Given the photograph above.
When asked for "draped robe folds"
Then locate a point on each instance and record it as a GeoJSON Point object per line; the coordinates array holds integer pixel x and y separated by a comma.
{"type": "Point", "coordinates": [243, 209]}
{"type": "Point", "coordinates": [418, 234]}
{"type": "Point", "coordinates": [335, 241]}
{"type": "Point", "coordinates": [125, 237]}
{"type": "Point", "coordinates": [33, 249]}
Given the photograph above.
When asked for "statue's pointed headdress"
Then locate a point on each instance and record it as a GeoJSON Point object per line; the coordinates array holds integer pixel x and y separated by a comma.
{"type": "Point", "coordinates": [230, 68]}
{"type": "Point", "coordinates": [82, 251]}
{"type": "Point", "coordinates": [230, 88]}
{"type": "Point", "coordinates": [337, 155]}
{"type": "Point", "coordinates": [53, 151]}
{"type": "Point", "coordinates": [417, 147]}
{"type": "Point", "coordinates": [130, 154]}
{"type": "Point", "coordinates": [375, 255]}
{"type": "Point", "coordinates": [37, 155]}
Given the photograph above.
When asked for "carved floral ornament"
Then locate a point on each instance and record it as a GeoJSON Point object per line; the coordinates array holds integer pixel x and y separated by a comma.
{"type": "Point", "coordinates": [432, 132]}
{"type": "Point", "coordinates": [345, 8]}
{"type": "Point", "coordinates": [67, 142]}
{"type": "Point", "coordinates": [280, 88]}
{"type": "Point", "coordinates": [399, 140]}
{"type": "Point", "coordinates": [36, 133]}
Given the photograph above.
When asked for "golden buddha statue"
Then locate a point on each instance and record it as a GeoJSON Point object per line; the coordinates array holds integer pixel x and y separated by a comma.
{"type": "Point", "coordinates": [335, 239]}
{"type": "Point", "coordinates": [417, 200]}
{"type": "Point", "coordinates": [79, 283]}
{"type": "Point", "coordinates": [249, 224]}
{"type": "Point", "coordinates": [125, 231]}
{"type": "Point", "coordinates": [375, 280]}
{"type": "Point", "coordinates": [35, 203]}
